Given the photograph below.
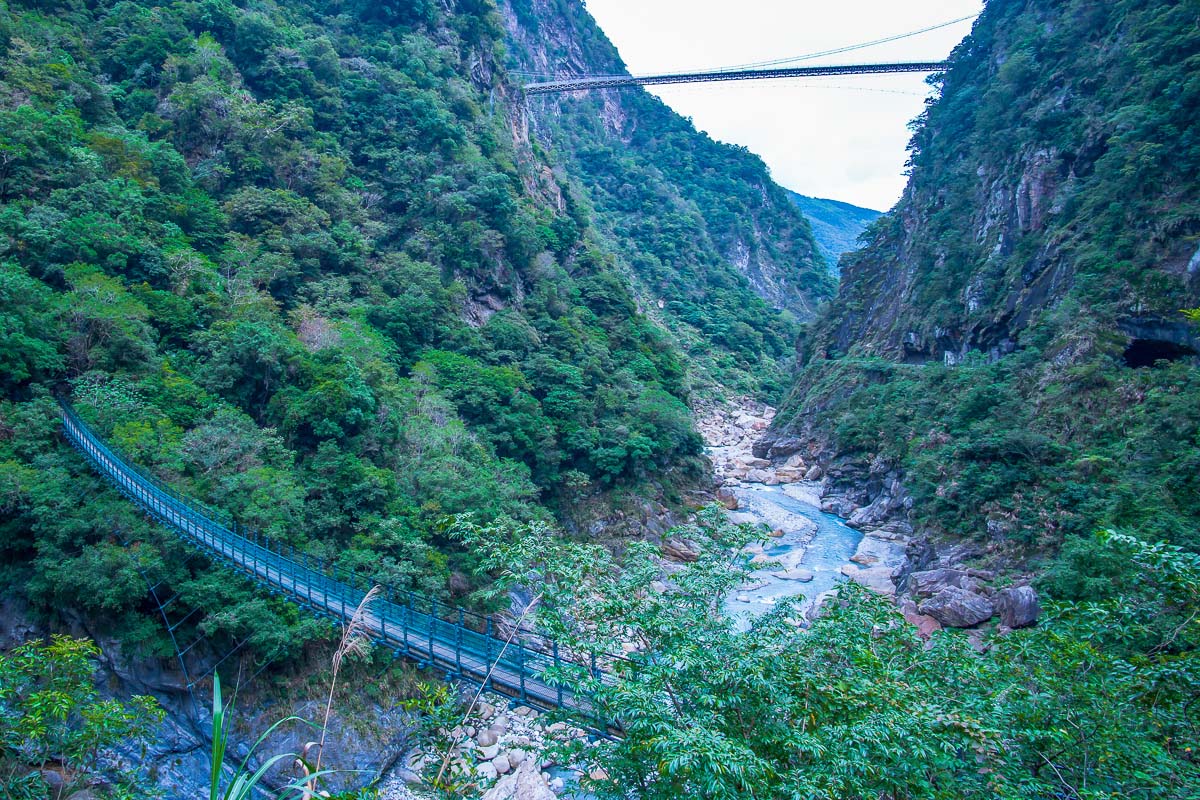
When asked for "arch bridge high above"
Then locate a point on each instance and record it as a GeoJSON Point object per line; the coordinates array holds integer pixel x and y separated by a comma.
{"type": "Point", "coordinates": [584, 82]}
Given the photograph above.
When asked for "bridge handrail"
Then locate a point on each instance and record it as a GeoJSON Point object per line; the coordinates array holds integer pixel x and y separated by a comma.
{"type": "Point", "coordinates": [404, 620]}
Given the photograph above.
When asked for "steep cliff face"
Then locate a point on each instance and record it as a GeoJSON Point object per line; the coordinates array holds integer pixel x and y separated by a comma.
{"type": "Point", "coordinates": [714, 246]}
{"type": "Point", "coordinates": [1059, 162]}
{"type": "Point", "coordinates": [1009, 342]}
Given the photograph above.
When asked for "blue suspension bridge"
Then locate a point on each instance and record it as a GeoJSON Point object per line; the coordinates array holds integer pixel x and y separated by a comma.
{"type": "Point", "coordinates": [460, 643]}
{"type": "Point", "coordinates": [584, 82]}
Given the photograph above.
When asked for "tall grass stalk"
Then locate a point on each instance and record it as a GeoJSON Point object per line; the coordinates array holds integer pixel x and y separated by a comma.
{"type": "Point", "coordinates": [356, 640]}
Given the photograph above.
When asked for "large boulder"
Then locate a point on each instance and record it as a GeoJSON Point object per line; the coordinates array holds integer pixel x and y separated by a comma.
{"type": "Point", "coordinates": [526, 783]}
{"type": "Point", "coordinates": [932, 581]}
{"type": "Point", "coordinates": [1018, 606]}
{"type": "Point", "coordinates": [727, 498]}
{"type": "Point", "coordinates": [798, 574]}
{"type": "Point", "coordinates": [679, 550]}
{"type": "Point", "coordinates": [771, 447]}
{"type": "Point", "coordinates": [958, 608]}
{"type": "Point", "coordinates": [926, 625]}
{"type": "Point", "coordinates": [754, 463]}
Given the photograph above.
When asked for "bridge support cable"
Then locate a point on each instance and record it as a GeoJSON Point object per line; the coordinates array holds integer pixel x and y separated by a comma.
{"type": "Point", "coordinates": [584, 82]}
{"type": "Point", "coordinates": [462, 646]}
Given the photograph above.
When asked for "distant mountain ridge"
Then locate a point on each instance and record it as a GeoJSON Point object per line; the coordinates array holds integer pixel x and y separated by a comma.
{"type": "Point", "coordinates": [835, 225]}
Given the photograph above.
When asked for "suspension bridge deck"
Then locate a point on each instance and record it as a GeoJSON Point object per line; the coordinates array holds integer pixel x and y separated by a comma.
{"type": "Point", "coordinates": [408, 624]}
{"type": "Point", "coordinates": [585, 82]}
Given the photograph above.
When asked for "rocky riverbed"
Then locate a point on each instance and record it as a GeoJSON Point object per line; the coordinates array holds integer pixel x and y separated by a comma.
{"type": "Point", "coordinates": [500, 749]}
{"type": "Point", "coordinates": [935, 583]}
{"type": "Point", "coordinates": [810, 549]}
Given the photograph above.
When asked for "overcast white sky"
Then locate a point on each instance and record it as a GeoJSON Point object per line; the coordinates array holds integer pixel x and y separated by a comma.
{"type": "Point", "coordinates": [842, 138]}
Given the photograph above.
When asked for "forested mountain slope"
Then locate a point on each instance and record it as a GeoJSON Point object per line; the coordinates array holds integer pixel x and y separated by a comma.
{"type": "Point", "coordinates": [1001, 338]}
{"type": "Point", "coordinates": [299, 259]}
{"type": "Point", "coordinates": [716, 249]}
{"type": "Point", "coordinates": [836, 225]}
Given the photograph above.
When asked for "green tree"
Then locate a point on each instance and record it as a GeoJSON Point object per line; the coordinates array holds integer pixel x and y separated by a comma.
{"type": "Point", "coordinates": [52, 718]}
{"type": "Point", "coordinates": [1096, 703]}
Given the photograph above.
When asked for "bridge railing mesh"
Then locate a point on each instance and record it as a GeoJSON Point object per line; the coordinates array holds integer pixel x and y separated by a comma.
{"type": "Point", "coordinates": [459, 641]}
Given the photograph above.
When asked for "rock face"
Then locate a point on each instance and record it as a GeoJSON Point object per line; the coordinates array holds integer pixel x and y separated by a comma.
{"type": "Point", "coordinates": [958, 608]}
{"type": "Point", "coordinates": [362, 741]}
{"type": "Point", "coordinates": [992, 232]}
{"type": "Point", "coordinates": [1010, 203]}
{"type": "Point", "coordinates": [1018, 606]}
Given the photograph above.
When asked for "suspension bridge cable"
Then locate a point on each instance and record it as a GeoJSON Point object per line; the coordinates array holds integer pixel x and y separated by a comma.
{"type": "Point", "coordinates": [779, 61]}
{"type": "Point", "coordinates": [846, 49]}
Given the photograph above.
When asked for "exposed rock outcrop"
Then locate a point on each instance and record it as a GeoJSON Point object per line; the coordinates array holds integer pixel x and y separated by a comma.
{"type": "Point", "coordinates": [958, 608]}
{"type": "Point", "coordinates": [1018, 606]}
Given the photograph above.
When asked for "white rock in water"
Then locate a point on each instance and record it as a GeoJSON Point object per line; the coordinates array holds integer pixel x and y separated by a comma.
{"type": "Point", "coordinates": [798, 574]}
{"type": "Point", "coordinates": [743, 598]}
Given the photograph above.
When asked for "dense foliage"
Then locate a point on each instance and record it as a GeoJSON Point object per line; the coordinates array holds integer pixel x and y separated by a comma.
{"type": "Point", "coordinates": [54, 722]}
{"type": "Point", "coordinates": [986, 340]}
{"type": "Point", "coordinates": [291, 257]}
{"type": "Point", "coordinates": [1098, 702]}
{"type": "Point", "coordinates": [706, 233]}
{"type": "Point", "coordinates": [1022, 455]}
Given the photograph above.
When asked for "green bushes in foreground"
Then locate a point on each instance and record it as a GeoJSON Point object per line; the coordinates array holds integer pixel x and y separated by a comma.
{"type": "Point", "coordinates": [53, 722]}
{"type": "Point", "coordinates": [1097, 702]}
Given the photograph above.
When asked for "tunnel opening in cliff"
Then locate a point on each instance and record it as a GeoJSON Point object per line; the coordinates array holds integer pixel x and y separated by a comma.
{"type": "Point", "coordinates": [1147, 352]}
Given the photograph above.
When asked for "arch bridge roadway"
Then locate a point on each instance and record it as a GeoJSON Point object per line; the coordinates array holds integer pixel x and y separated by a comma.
{"type": "Point", "coordinates": [585, 82]}
{"type": "Point", "coordinates": [464, 645]}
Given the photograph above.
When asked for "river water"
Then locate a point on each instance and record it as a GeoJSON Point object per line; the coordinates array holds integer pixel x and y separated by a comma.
{"type": "Point", "coordinates": [814, 541]}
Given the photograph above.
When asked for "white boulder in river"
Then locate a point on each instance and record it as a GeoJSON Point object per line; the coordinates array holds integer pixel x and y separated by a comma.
{"type": "Point", "coordinates": [526, 783]}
